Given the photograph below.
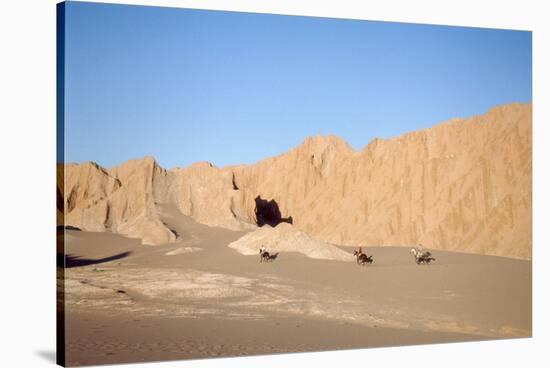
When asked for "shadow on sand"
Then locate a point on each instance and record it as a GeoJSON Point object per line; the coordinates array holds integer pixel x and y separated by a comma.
{"type": "Point", "coordinates": [273, 257]}
{"type": "Point", "coordinates": [76, 261]}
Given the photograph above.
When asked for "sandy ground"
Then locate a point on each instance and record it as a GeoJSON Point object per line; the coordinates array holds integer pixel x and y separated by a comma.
{"type": "Point", "coordinates": [197, 298]}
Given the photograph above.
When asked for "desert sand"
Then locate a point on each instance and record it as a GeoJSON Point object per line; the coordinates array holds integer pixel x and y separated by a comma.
{"type": "Point", "coordinates": [197, 297]}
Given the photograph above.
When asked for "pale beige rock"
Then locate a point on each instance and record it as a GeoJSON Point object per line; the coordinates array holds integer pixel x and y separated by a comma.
{"type": "Point", "coordinates": [461, 185]}
{"type": "Point", "coordinates": [205, 193]}
{"type": "Point", "coordinates": [286, 238]}
{"type": "Point", "coordinates": [150, 231]}
{"type": "Point", "coordinates": [87, 189]}
{"type": "Point", "coordinates": [119, 199]}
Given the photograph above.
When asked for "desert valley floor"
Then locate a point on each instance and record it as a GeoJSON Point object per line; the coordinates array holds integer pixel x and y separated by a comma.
{"type": "Point", "coordinates": [198, 298]}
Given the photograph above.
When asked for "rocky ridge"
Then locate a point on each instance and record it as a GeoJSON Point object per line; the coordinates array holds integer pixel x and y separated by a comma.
{"type": "Point", "coordinates": [462, 185]}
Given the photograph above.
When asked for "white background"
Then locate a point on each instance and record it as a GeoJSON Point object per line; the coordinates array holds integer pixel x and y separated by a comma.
{"type": "Point", "coordinates": [27, 180]}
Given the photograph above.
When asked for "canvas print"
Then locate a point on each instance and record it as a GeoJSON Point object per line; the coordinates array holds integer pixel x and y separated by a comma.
{"type": "Point", "coordinates": [234, 184]}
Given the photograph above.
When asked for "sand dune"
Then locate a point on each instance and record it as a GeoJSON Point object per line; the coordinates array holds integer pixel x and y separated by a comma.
{"type": "Point", "coordinates": [462, 185]}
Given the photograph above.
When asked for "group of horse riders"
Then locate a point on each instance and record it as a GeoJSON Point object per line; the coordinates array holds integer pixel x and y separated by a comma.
{"type": "Point", "coordinates": [420, 256]}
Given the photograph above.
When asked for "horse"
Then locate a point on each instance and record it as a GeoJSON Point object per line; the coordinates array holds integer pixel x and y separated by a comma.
{"type": "Point", "coordinates": [362, 258]}
{"type": "Point", "coordinates": [421, 257]}
{"type": "Point", "coordinates": [264, 255]}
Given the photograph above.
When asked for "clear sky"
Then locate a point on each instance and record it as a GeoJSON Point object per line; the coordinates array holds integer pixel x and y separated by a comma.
{"type": "Point", "coordinates": [190, 85]}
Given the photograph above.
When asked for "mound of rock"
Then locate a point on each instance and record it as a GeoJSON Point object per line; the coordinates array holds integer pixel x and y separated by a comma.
{"type": "Point", "coordinates": [150, 231]}
{"type": "Point", "coordinates": [285, 238]}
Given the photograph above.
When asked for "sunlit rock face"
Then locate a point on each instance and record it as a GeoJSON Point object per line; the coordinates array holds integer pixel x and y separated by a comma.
{"type": "Point", "coordinates": [462, 185]}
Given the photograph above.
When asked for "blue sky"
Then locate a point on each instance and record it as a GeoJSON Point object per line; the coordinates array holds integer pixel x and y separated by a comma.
{"type": "Point", "coordinates": [189, 85]}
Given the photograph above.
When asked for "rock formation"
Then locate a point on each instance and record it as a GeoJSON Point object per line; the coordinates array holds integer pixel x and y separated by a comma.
{"type": "Point", "coordinates": [462, 185]}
